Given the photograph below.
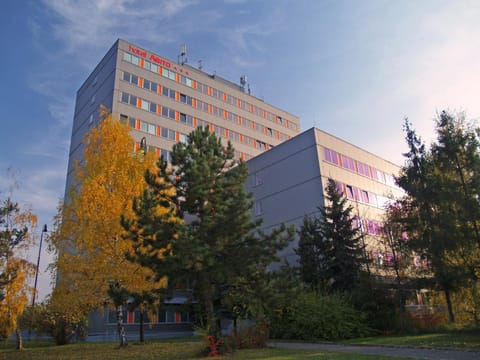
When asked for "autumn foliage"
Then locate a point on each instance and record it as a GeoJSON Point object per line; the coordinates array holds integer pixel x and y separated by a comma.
{"type": "Point", "coordinates": [15, 271]}
{"type": "Point", "coordinates": [88, 239]}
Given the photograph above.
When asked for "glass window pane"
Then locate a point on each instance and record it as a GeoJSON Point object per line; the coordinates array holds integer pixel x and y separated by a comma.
{"type": "Point", "coordinates": [133, 100]}
{"type": "Point", "coordinates": [135, 60]}
{"type": "Point", "coordinates": [134, 79]}
{"type": "Point", "coordinates": [170, 316]}
{"type": "Point", "coordinates": [151, 129]}
{"type": "Point", "coordinates": [126, 76]}
{"type": "Point", "coordinates": [125, 98]}
{"type": "Point", "coordinates": [145, 104]}
{"type": "Point", "coordinates": [154, 68]}
{"type": "Point", "coordinates": [127, 57]}
{"type": "Point", "coordinates": [153, 107]}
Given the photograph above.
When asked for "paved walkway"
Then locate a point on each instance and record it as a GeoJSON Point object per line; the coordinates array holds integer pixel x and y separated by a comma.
{"type": "Point", "coordinates": [400, 351]}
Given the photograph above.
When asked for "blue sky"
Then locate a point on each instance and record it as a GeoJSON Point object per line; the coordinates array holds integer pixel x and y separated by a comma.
{"type": "Point", "coordinates": [355, 69]}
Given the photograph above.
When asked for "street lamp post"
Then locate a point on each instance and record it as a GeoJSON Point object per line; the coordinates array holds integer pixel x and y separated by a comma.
{"type": "Point", "coordinates": [44, 230]}
{"type": "Point", "coordinates": [143, 145]}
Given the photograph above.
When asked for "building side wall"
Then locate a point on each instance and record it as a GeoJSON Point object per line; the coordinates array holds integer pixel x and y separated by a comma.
{"type": "Point", "coordinates": [294, 176]}
{"type": "Point", "coordinates": [286, 185]}
{"type": "Point", "coordinates": [95, 91]}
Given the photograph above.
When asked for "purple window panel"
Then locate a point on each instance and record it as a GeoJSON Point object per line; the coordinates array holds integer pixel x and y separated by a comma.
{"type": "Point", "coordinates": [331, 156]}
{"type": "Point", "coordinates": [349, 192]}
{"type": "Point", "coordinates": [371, 227]}
{"type": "Point", "coordinates": [356, 194]}
{"type": "Point", "coordinates": [365, 197]}
{"type": "Point", "coordinates": [340, 188]}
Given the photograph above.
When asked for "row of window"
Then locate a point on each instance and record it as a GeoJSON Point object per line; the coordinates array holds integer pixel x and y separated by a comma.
{"type": "Point", "coordinates": [356, 194]}
{"type": "Point", "coordinates": [387, 259]}
{"type": "Point", "coordinates": [370, 227]}
{"type": "Point", "coordinates": [168, 134]}
{"type": "Point", "coordinates": [348, 163]}
{"type": "Point", "coordinates": [205, 89]}
{"type": "Point", "coordinates": [188, 120]}
{"type": "Point", "coordinates": [203, 106]}
{"type": "Point", "coordinates": [161, 317]}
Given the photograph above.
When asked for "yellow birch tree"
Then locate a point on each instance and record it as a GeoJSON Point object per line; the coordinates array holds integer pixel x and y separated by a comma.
{"type": "Point", "coordinates": [15, 271]}
{"type": "Point", "coordinates": [91, 251]}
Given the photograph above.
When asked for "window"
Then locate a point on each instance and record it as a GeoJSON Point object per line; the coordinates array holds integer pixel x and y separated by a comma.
{"type": "Point", "coordinates": [183, 98]}
{"type": "Point", "coordinates": [146, 84]}
{"type": "Point", "coordinates": [349, 192]}
{"type": "Point", "coordinates": [147, 64]}
{"type": "Point", "coordinates": [258, 208]}
{"type": "Point", "coordinates": [154, 68]}
{"type": "Point", "coordinates": [92, 99]}
{"type": "Point", "coordinates": [258, 179]}
{"type": "Point", "coordinates": [135, 60]}
{"type": "Point", "coordinates": [340, 188]}
{"type": "Point", "coordinates": [126, 76]}
{"type": "Point", "coordinates": [182, 138]}
{"type": "Point", "coordinates": [90, 119]}
{"type": "Point", "coordinates": [151, 129]}
{"type": "Point", "coordinates": [133, 100]}
{"type": "Point", "coordinates": [124, 98]}
{"type": "Point", "coordinates": [365, 197]}
{"type": "Point", "coordinates": [95, 80]}
{"type": "Point", "coordinates": [153, 107]}
{"type": "Point", "coordinates": [363, 169]}
{"type": "Point", "coordinates": [167, 133]}
{"type": "Point", "coordinates": [145, 105]}
{"type": "Point", "coordinates": [134, 79]}
{"type": "Point", "coordinates": [127, 57]}
{"type": "Point", "coordinates": [153, 86]}
{"type": "Point", "coordinates": [331, 156]}
{"type": "Point", "coordinates": [166, 156]}
{"type": "Point", "coordinates": [347, 163]}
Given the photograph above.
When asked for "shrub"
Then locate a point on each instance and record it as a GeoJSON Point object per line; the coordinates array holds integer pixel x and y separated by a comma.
{"type": "Point", "coordinates": [314, 316]}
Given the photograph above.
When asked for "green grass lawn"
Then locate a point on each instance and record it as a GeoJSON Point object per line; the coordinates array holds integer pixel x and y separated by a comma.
{"type": "Point", "coordinates": [159, 350]}
{"type": "Point", "coordinates": [459, 338]}
{"type": "Point", "coordinates": [191, 347]}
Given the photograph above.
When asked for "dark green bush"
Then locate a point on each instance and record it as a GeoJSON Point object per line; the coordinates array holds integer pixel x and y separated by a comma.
{"type": "Point", "coordinates": [313, 316]}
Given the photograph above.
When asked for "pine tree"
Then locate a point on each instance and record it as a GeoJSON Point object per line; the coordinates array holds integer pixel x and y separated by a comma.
{"type": "Point", "coordinates": [441, 208]}
{"type": "Point", "coordinates": [218, 249]}
{"type": "Point", "coordinates": [330, 246]}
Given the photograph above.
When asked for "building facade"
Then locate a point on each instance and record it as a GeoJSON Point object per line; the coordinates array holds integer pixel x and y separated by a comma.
{"type": "Point", "coordinates": [163, 101]}
{"type": "Point", "coordinates": [289, 182]}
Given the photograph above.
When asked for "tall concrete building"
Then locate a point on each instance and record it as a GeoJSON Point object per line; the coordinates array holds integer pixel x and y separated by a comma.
{"type": "Point", "coordinates": [163, 101]}
{"type": "Point", "coordinates": [289, 182]}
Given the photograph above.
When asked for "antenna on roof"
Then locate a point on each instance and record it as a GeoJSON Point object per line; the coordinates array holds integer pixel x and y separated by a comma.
{"type": "Point", "coordinates": [243, 81]}
{"type": "Point", "coordinates": [182, 57]}
{"type": "Point", "coordinates": [199, 64]}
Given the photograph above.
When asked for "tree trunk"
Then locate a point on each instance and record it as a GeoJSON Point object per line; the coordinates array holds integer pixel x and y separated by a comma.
{"type": "Point", "coordinates": [142, 333]}
{"type": "Point", "coordinates": [120, 327]}
{"type": "Point", "coordinates": [18, 333]}
{"type": "Point", "coordinates": [449, 306]}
